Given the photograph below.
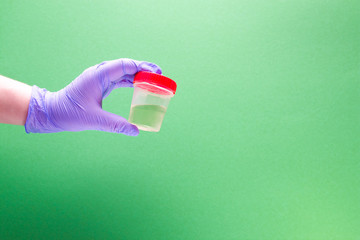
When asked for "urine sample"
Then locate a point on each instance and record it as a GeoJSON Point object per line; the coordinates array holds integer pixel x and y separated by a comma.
{"type": "Point", "coordinates": [152, 94]}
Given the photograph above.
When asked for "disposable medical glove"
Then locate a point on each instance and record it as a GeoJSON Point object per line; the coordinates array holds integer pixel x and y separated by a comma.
{"type": "Point", "coordinates": [78, 106]}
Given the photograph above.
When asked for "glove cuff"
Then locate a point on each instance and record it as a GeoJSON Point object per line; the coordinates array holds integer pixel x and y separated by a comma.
{"type": "Point", "coordinates": [37, 120]}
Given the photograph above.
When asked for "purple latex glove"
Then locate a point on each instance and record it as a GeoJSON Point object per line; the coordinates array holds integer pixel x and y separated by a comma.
{"type": "Point", "coordinates": [78, 106]}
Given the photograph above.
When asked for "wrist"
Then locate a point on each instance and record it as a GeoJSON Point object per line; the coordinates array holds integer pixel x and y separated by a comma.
{"type": "Point", "coordinates": [38, 120]}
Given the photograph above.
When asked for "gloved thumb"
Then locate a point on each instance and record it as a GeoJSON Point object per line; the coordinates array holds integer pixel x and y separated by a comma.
{"type": "Point", "coordinates": [110, 122]}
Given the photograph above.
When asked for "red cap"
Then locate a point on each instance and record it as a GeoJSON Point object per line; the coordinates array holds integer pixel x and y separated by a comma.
{"type": "Point", "coordinates": [155, 79]}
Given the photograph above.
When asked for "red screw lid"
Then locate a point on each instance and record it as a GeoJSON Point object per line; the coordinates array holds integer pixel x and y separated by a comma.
{"type": "Point", "coordinates": [155, 79]}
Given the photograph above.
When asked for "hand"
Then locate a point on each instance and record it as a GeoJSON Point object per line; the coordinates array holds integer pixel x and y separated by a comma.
{"type": "Point", "coordinates": [78, 106]}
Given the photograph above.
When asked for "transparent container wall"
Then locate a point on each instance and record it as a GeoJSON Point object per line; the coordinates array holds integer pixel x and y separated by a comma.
{"type": "Point", "coordinates": [148, 109]}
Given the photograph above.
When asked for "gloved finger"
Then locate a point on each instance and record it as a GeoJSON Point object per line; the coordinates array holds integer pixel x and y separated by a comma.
{"type": "Point", "coordinates": [110, 122]}
{"type": "Point", "coordinates": [115, 70]}
{"type": "Point", "coordinates": [126, 81]}
{"type": "Point", "coordinates": [149, 67]}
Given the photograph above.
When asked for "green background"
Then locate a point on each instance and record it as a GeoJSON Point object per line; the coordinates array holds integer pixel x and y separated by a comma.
{"type": "Point", "coordinates": [261, 140]}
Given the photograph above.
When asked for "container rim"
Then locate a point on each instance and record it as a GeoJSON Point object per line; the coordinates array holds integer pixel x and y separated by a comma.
{"type": "Point", "coordinates": [154, 89]}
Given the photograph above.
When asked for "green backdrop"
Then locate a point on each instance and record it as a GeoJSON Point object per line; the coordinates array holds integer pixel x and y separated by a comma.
{"type": "Point", "coordinates": [261, 140]}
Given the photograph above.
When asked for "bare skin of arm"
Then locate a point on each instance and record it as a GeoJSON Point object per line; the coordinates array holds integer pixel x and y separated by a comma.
{"type": "Point", "coordinates": [14, 101]}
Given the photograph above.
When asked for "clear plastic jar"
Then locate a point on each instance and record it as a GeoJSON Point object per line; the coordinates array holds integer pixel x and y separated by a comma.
{"type": "Point", "coordinates": [152, 94]}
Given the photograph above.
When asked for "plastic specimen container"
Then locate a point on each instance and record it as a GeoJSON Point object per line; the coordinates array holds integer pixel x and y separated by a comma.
{"type": "Point", "coordinates": [152, 94]}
